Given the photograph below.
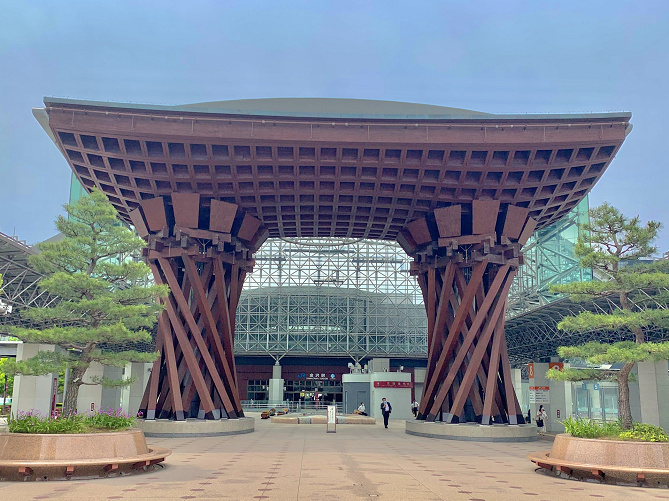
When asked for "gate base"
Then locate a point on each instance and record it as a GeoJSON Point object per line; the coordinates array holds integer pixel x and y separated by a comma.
{"type": "Point", "coordinates": [473, 432]}
{"type": "Point", "coordinates": [167, 428]}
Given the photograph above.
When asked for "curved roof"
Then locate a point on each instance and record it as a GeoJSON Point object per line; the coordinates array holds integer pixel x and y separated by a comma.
{"type": "Point", "coordinates": [312, 168]}
{"type": "Point", "coordinates": [310, 106]}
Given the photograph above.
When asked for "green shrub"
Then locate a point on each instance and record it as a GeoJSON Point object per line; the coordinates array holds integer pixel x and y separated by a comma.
{"type": "Point", "coordinates": [30, 422]}
{"type": "Point", "coordinates": [110, 420]}
{"type": "Point", "coordinates": [33, 422]}
{"type": "Point", "coordinates": [587, 428]}
{"type": "Point", "coordinates": [646, 433]}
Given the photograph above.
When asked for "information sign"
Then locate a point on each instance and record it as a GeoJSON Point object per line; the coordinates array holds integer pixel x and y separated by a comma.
{"type": "Point", "coordinates": [393, 384]}
{"type": "Point", "coordinates": [54, 394]}
{"type": "Point", "coordinates": [331, 426]}
{"type": "Point", "coordinates": [539, 395]}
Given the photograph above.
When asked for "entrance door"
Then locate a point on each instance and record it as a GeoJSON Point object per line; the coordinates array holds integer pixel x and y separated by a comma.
{"type": "Point", "coordinates": [582, 403]}
{"type": "Point", "coordinates": [609, 396]}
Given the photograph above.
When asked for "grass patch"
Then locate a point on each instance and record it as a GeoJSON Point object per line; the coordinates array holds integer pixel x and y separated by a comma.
{"type": "Point", "coordinates": [101, 421]}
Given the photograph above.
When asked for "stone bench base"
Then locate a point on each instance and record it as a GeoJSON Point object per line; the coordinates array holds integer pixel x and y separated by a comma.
{"type": "Point", "coordinates": [473, 432]}
{"type": "Point", "coordinates": [25, 456]}
{"type": "Point", "coordinates": [167, 428]}
{"type": "Point", "coordinates": [346, 419]}
{"type": "Point", "coordinates": [608, 461]}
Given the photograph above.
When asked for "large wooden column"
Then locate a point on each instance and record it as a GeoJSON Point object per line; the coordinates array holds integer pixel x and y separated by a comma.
{"type": "Point", "coordinates": [203, 253]}
{"type": "Point", "coordinates": [465, 259]}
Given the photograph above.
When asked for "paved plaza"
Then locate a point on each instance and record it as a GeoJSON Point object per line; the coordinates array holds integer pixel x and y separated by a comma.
{"type": "Point", "coordinates": [302, 462]}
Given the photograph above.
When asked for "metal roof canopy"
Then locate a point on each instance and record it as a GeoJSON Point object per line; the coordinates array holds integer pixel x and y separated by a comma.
{"type": "Point", "coordinates": [20, 282]}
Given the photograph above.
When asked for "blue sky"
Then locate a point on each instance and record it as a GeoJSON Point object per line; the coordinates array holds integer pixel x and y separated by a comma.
{"type": "Point", "coordinates": [500, 57]}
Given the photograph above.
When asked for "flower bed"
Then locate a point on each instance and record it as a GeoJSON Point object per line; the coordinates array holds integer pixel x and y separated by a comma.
{"type": "Point", "coordinates": [100, 421]}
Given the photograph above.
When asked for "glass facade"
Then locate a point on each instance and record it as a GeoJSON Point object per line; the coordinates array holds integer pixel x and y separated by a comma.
{"type": "Point", "coordinates": [303, 390]}
{"type": "Point", "coordinates": [331, 297]}
{"type": "Point", "coordinates": [598, 401]}
{"type": "Point", "coordinates": [549, 259]}
{"type": "Point", "coordinates": [257, 389]}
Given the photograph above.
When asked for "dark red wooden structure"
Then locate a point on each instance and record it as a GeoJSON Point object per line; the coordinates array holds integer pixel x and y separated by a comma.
{"type": "Point", "coordinates": [461, 191]}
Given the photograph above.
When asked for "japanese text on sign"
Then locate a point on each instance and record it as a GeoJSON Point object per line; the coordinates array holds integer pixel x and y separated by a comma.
{"type": "Point", "coordinates": [539, 395]}
{"type": "Point", "coordinates": [393, 384]}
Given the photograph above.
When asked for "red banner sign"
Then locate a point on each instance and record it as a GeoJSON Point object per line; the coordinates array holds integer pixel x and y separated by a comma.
{"type": "Point", "coordinates": [393, 384]}
{"type": "Point", "coordinates": [556, 365]}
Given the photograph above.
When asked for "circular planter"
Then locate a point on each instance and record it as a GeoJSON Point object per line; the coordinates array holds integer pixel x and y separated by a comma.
{"type": "Point", "coordinates": [168, 428]}
{"type": "Point", "coordinates": [472, 432]}
{"type": "Point", "coordinates": [612, 461]}
{"type": "Point", "coordinates": [26, 456]}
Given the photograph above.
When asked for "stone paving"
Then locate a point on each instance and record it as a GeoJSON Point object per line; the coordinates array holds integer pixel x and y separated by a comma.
{"type": "Point", "coordinates": [302, 462]}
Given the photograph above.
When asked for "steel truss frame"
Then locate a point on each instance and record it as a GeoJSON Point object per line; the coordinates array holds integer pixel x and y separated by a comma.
{"type": "Point", "coordinates": [534, 335]}
{"type": "Point", "coordinates": [20, 282]}
{"type": "Point", "coordinates": [548, 259]}
{"type": "Point", "coordinates": [331, 297]}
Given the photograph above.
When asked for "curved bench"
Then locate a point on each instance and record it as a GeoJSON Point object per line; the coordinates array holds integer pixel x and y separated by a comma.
{"type": "Point", "coordinates": [26, 456]}
{"type": "Point", "coordinates": [610, 461]}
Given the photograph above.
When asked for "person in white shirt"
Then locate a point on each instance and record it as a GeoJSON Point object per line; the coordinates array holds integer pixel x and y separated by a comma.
{"type": "Point", "coordinates": [361, 409]}
{"type": "Point", "coordinates": [541, 419]}
{"type": "Point", "coordinates": [414, 408]}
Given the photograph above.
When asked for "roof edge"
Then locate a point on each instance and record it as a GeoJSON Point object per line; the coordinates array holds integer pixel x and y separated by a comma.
{"type": "Point", "coordinates": [467, 115]}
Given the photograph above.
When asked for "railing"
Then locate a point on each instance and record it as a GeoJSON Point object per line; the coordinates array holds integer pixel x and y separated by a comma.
{"type": "Point", "coordinates": [308, 407]}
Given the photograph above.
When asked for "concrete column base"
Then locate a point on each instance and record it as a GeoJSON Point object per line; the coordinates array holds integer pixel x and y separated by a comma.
{"type": "Point", "coordinates": [473, 432]}
{"type": "Point", "coordinates": [167, 428]}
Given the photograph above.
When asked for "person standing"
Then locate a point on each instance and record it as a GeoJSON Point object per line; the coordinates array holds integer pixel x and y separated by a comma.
{"type": "Point", "coordinates": [541, 419]}
{"type": "Point", "coordinates": [386, 409]}
{"type": "Point", "coordinates": [414, 408]}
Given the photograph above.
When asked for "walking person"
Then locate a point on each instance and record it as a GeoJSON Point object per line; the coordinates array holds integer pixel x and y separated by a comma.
{"type": "Point", "coordinates": [386, 409]}
{"type": "Point", "coordinates": [541, 419]}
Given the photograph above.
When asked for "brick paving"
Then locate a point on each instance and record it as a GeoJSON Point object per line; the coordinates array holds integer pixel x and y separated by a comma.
{"type": "Point", "coordinates": [302, 462]}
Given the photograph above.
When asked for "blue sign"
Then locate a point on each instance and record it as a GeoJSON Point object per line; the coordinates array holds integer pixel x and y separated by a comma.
{"type": "Point", "coordinates": [584, 386]}
{"type": "Point", "coordinates": [595, 386]}
{"type": "Point", "coordinates": [332, 376]}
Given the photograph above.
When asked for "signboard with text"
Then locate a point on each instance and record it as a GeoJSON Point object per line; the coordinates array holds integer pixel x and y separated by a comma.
{"type": "Point", "coordinates": [393, 384]}
{"type": "Point", "coordinates": [331, 426]}
{"type": "Point", "coordinates": [539, 395]}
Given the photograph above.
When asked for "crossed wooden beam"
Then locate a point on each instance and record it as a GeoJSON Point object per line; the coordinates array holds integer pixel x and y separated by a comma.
{"type": "Point", "coordinates": [465, 259]}
{"type": "Point", "coordinates": [203, 251]}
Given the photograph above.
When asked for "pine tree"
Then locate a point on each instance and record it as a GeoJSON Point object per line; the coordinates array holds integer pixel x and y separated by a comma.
{"type": "Point", "coordinates": [612, 245]}
{"type": "Point", "coordinates": [105, 305]}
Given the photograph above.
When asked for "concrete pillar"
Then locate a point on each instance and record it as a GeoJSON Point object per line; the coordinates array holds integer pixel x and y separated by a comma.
{"type": "Point", "coordinates": [517, 378]}
{"type": "Point", "coordinates": [654, 393]}
{"type": "Point", "coordinates": [33, 393]}
{"type": "Point", "coordinates": [419, 382]}
{"type": "Point", "coordinates": [276, 385]}
{"type": "Point", "coordinates": [555, 396]}
{"type": "Point", "coordinates": [131, 396]}
{"type": "Point", "coordinates": [635, 397]}
{"type": "Point", "coordinates": [90, 396]}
